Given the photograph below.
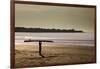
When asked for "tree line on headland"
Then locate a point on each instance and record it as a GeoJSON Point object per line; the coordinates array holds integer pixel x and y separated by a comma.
{"type": "Point", "coordinates": [23, 29]}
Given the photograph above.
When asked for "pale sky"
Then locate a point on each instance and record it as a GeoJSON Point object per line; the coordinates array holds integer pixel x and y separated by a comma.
{"type": "Point", "coordinates": [43, 16]}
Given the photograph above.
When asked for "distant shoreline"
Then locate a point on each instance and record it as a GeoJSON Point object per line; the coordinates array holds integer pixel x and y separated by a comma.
{"type": "Point", "coordinates": [43, 30]}
{"type": "Point", "coordinates": [50, 32]}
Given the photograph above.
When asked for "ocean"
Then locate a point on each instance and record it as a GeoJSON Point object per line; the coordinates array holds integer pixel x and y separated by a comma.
{"type": "Point", "coordinates": [74, 39]}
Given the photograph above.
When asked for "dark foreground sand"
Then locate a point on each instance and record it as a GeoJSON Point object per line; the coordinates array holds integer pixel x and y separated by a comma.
{"type": "Point", "coordinates": [27, 56]}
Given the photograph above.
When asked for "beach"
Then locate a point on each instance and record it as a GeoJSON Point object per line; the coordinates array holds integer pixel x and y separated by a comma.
{"type": "Point", "coordinates": [66, 34]}
{"type": "Point", "coordinates": [28, 56]}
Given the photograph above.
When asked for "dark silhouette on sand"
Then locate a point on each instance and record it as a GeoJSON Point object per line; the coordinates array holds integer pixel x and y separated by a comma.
{"type": "Point", "coordinates": [40, 44]}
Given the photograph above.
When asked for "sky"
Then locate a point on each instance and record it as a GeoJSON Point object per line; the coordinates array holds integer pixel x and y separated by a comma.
{"type": "Point", "coordinates": [43, 16]}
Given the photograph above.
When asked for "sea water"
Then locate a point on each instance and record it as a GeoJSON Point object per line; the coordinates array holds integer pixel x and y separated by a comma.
{"type": "Point", "coordinates": [81, 39]}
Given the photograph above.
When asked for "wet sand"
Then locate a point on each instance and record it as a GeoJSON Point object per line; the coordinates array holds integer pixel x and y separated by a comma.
{"type": "Point", "coordinates": [28, 56]}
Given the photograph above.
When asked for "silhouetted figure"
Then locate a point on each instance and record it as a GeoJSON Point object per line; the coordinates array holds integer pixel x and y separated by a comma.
{"type": "Point", "coordinates": [40, 44]}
